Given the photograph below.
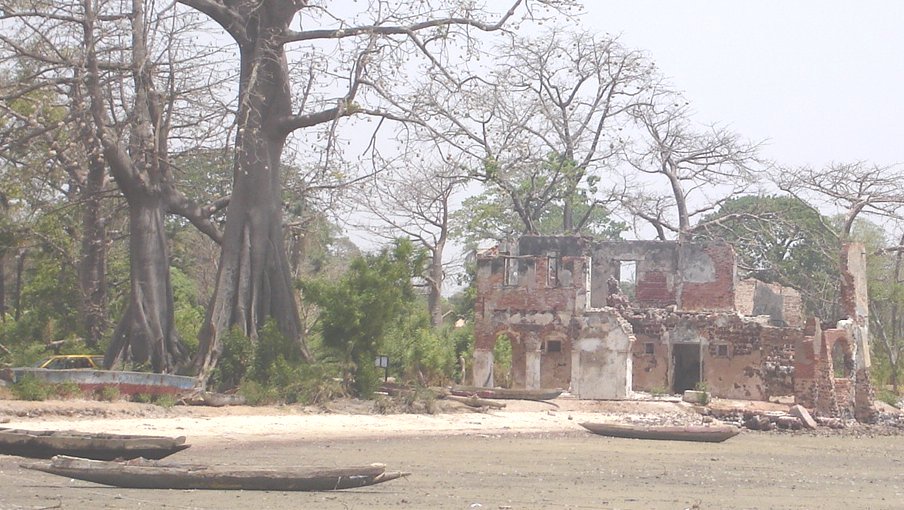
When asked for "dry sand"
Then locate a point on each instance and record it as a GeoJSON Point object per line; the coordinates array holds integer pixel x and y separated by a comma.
{"type": "Point", "coordinates": [338, 420]}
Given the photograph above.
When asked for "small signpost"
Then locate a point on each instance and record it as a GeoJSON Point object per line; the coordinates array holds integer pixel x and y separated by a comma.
{"type": "Point", "coordinates": [382, 361]}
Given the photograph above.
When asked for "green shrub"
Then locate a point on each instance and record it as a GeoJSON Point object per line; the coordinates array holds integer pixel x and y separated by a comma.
{"type": "Point", "coordinates": [108, 393]}
{"type": "Point", "coordinates": [888, 396]}
{"type": "Point", "coordinates": [658, 391]}
{"type": "Point", "coordinates": [30, 388]}
{"type": "Point", "coordinates": [67, 390]}
{"type": "Point", "coordinates": [418, 400]}
{"type": "Point", "coordinates": [704, 393]}
{"type": "Point", "coordinates": [367, 378]}
{"type": "Point", "coordinates": [234, 361]}
{"type": "Point", "coordinates": [256, 393]}
{"type": "Point", "coordinates": [502, 361]}
{"type": "Point", "coordinates": [359, 310]}
{"type": "Point", "coordinates": [142, 398]}
{"type": "Point", "coordinates": [166, 400]}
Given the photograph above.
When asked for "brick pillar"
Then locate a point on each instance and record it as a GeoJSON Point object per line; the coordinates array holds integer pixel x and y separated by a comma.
{"type": "Point", "coordinates": [864, 397]}
{"type": "Point", "coordinates": [826, 403]}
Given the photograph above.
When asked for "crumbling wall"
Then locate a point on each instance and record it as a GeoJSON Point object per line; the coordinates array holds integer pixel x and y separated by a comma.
{"type": "Point", "coordinates": [691, 276]}
{"type": "Point", "coordinates": [650, 361]}
{"type": "Point", "coordinates": [656, 283]}
{"type": "Point", "coordinates": [707, 273]}
{"type": "Point", "coordinates": [783, 305]}
{"type": "Point", "coordinates": [601, 356]}
{"type": "Point", "coordinates": [806, 361]}
{"type": "Point", "coordinates": [744, 340]}
{"type": "Point", "coordinates": [532, 301]}
{"type": "Point", "coordinates": [740, 358]}
{"type": "Point", "coordinates": [855, 303]}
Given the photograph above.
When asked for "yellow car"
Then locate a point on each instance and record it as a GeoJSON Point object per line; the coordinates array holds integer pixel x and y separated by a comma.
{"type": "Point", "coordinates": [72, 361]}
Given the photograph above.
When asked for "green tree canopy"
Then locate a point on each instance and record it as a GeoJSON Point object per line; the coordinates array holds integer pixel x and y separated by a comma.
{"type": "Point", "coordinates": [357, 310]}
{"type": "Point", "coordinates": [781, 239]}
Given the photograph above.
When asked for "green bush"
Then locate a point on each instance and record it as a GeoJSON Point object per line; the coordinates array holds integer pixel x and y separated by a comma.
{"type": "Point", "coordinates": [423, 355]}
{"type": "Point", "coordinates": [234, 361]}
{"type": "Point", "coordinates": [888, 396]}
{"type": "Point", "coordinates": [358, 311]}
{"type": "Point", "coordinates": [502, 361]}
{"type": "Point", "coordinates": [256, 393]}
{"type": "Point", "coordinates": [166, 400]}
{"type": "Point", "coordinates": [30, 388]}
{"type": "Point", "coordinates": [418, 400]}
{"type": "Point", "coordinates": [658, 391]}
{"type": "Point", "coordinates": [142, 398]}
{"type": "Point", "coordinates": [108, 393]}
{"type": "Point", "coordinates": [67, 390]}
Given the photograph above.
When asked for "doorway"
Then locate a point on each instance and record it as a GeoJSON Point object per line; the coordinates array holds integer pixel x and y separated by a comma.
{"type": "Point", "coordinates": [686, 366]}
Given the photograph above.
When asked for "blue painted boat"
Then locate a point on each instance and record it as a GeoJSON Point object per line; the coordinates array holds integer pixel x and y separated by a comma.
{"type": "Point", "coordinates": [128, 383]}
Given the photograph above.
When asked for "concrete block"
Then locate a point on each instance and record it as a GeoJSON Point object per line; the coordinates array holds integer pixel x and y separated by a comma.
{"type": "Point", "coordinates": [695, 397]}
{"type": "Point", "coordinates": [801, 413]}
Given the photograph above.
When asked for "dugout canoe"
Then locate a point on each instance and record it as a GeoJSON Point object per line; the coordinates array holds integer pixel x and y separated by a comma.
{"type": "Point", "coordinates": [146, 474]}
{"type": "Point", "coordinates": [698, 433]}
{"type": "Point", "coordinates": [45, 444]}
{"type": "Point", "coordinates": [505, 393]}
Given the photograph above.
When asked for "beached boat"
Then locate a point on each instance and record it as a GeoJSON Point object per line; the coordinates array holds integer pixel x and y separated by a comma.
{"type": "Point", "coordinates": [699, 433]}
{"type": "Point", "coordinates": [144, 474]}
{"type": "Point", "coordinates": [505, 393]}
{"type": "Point", "coordinates": [128, 383]}
{"type": "Point", "coordinates": [46, 444]}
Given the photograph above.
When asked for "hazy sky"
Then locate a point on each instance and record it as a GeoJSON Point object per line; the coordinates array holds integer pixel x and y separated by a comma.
{"type": "Point", "coordinates": [821, 81]}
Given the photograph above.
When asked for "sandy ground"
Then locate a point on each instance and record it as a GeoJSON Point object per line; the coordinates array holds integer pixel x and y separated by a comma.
{"type": "Point", "coordinates": [528, 455]}
{"type": "Point", "coordinates": [344, 419]}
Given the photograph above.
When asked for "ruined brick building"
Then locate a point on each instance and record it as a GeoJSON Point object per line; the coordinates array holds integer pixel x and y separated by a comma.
{"type": "Point", "coordinates": [687, 320]}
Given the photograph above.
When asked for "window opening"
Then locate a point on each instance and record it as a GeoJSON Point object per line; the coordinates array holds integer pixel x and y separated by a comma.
{"type": "Point", "coordinates": [842, 363]}
{"type": "Point", "coordinates": [511, 270]}
{"type": "Point", "coordinates": [627, 278]}
{"type": "Point", "coordinates": [552, 269]}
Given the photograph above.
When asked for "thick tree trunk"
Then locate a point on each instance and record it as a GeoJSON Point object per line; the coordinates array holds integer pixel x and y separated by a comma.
{"type": "Point", "coordinates": [93, 265]}
{"type": "Point", "coordinates": [568, 215]}
{"type": "Point", "coordinates": [3, 285]}
{"type": "Point", "coordinates": [435, 297]}
{"type": "Point", "coordinates": [20, 271]}
{"type": "Point", "coordinates": [254, 278]}
{"type": "Point", "coordinates": [146, 332]}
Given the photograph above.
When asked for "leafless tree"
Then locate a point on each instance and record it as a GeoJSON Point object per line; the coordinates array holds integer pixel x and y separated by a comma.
{"type": "Point", "coordinates": [349, 57]}
{"type": "Point", "coordinates": [416, 202]}
{"type": "Point", "coordinates": [543, 124]}
{"type": "Point", "coordinates": [854, 188]}
{"type": "Point", "coordinates": [113, 74]}
{"type": "Point", "coordinates": [700, 167]}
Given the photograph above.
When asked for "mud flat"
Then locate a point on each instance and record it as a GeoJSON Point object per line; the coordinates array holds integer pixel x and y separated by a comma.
{"type": "Point", "coordinates": [517, 470]}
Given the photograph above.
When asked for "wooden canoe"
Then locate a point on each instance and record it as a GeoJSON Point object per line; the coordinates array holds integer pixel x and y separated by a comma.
{"type": "Point", "coordinates": [505, 393]}
{"type": "Point", "coordinates": [145, 474]}
{"type": "Point", "coordinates": [699, 433]}
{"type": "Point", "coordinates": [46, 444]}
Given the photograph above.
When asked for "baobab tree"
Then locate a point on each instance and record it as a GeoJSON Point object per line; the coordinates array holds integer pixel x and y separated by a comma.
{"type": "Point", "coordinates": [373, 47]}
{"type": "Point", "coordinates": [118, 98]}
